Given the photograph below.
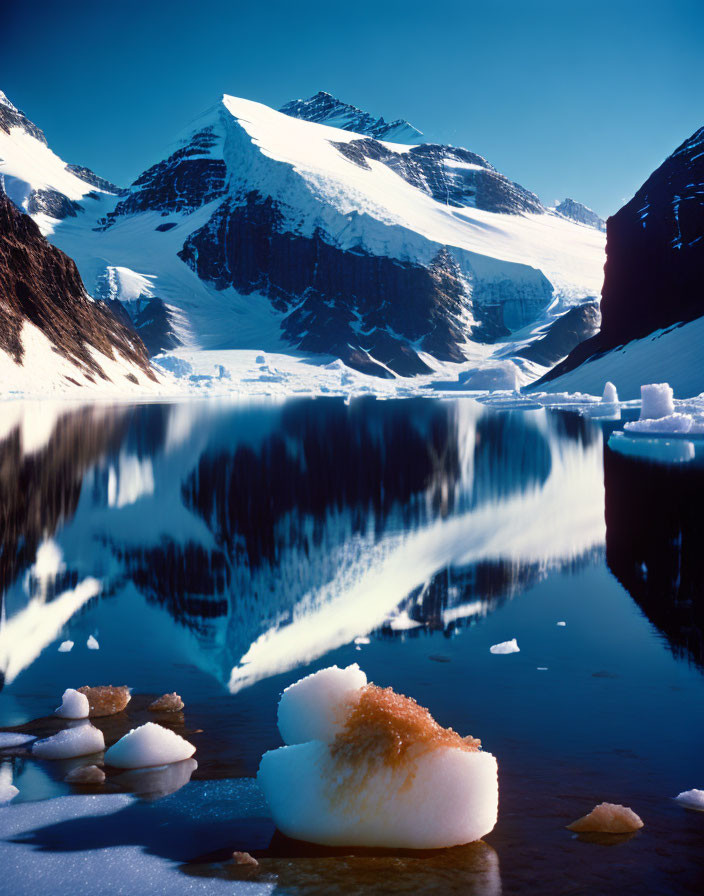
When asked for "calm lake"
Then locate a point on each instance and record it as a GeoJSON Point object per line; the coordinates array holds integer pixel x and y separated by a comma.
{"type": "Point", "coordinates": [225, 550]}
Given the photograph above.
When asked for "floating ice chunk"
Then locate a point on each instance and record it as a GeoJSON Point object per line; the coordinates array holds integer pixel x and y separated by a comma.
{"type": "Point", "coordinates": [65, 646]}
{"type": "Point", "coordinates": [74, 705]}
{"type": "Point", "coordinates": [607, 818]}
{"type": "Point", "coordinates": [80, 741]}
{"type": "Point", "coordinates": [362, 641]}
{"type": "Point", "coordinates": [92, 643]}
{"type": "Point", "coordinates": [542, 668]}
{"type": "Point", "coordinates": [656, 401]}
{"type": "Point", "coordinates": [561, 623]}
{"type": "Point", "coordinates": [610, 395]}
{"type": "Point", "coordinates": [657, 450]}
{"type": "Point", "coordinates": [315, 707]}
{"type": "Point", "coordinates": [403, 622]}
{"type": "Point", "coordinates": [691, 799]}
{"type": "Point", "coordinates": [147, 746]}
{"type": "Point", "coordinates": [673, 424]}
{"type": "Point", "coordinates": [106, 700]}
{"type": "Point", "coordinates": [391, 777]}
{"type": "Point", "coordinates": [505, 647]}
{"type": "Point", "coordinates": [85, 774]}
{"type": "Point", "coordinates": [168, 703]}
{"type": "Point", "coordinates": [9, 739]}
{"type": "Point", "coordinates": [8, 791]}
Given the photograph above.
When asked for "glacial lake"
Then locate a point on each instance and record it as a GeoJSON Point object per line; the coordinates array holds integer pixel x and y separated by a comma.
{"type": "Point", "coordinates": [225, 550]}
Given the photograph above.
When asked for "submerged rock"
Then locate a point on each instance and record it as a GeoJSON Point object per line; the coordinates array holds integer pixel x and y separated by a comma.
{"type": "Point", "coordinates": [74, 705]}
{"type": "Point", "coordinates": [106, 700]}
{"type": "Point", "coordinates": [608, 818]}
{"type": "Point", "coordinates": [149, 745]}
{"type": "Point", "coordinates": [85, 774]}
{"type": "Point", "coordinates": [167, 703]}
{"type": "Point", "coordinates": [381, 771]}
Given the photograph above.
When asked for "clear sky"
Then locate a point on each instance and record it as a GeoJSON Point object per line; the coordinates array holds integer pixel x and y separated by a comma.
{"type": "Point", "coordinates": [568, 98]}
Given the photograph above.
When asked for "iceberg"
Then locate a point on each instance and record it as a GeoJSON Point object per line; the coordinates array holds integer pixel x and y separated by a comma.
{"type": "Point", "coordinates": [656, 400]}
{"type": "Point", "coordinates": [364, 766]}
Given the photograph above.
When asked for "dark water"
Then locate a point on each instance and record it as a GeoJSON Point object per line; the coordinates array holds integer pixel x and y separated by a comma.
{"type": "Point", "coordinates": [236, 548]}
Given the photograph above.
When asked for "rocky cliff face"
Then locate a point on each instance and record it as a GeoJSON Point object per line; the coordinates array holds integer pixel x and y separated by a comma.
{"type": "Point", "coordinates": [42, 286]}
{"type": "Point", "coordinates": [324, 108]}
{"type": "Point", "coordinates": [654, 257]}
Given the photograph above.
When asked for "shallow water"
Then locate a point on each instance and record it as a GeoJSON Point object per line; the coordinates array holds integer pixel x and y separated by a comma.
{"type": "Point", "coordinates": [239, 547]}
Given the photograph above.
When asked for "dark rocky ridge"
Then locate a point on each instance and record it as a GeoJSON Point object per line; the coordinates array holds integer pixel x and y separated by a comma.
{"type": "Point", "coordinates": [41, 284]}
{"type": "Point", "coordinates": [324, 108]}
{"type": "Point", "coordinates": [654, 257]}
{"type": "Point", "coordinates": [564, 334]}
{"type": "Point", "coordinates": [183, 182]}
{"type": "Point", "coordinates": [90, 177]}
{"type": "Point", "coordinates": [11, 117]}
{"type": "Point", "coordinates": [575, 211]}
{"type": "Point", "coordinates": [429, 169]}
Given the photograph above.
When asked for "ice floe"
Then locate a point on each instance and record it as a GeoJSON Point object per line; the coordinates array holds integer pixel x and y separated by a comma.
{"type": "Point", "coordinates": [505, 647]}
{"type": "Point", "coordinates": [656, 450]}
{"type": "Point", "coordinates": [149, 745]}
{"type": "Point", "coordinates": [9, 739]}
{"type": "Point", "coordinates": [65, 646]}
{"type": "Point", "coordinates": [381, 773]}
{"type": "Point", "coordinates": [691, 799]}
{"type": "Point", "coordinates": [74, 705]}
{"type": "Point", "coordinates": [80, 741]}
{"type": "Point", "coordinates": [607, 818]}
{"type": "Point", "coordinates": [92, 643]}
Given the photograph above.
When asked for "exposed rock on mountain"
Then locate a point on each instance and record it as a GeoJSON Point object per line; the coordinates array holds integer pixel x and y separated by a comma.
{"type": "Point", "coordinates": [564, 334]}
{"type": "Point", "coordinates": [654, 262]}
{"type": "Point", "coordinates": [575, 211]}
{"type": "Point", "coordinates": [324, 108]}
{"type": "Point", "coordinates": [41, 287]}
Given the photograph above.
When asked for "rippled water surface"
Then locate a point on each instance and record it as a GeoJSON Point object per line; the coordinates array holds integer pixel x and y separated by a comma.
{"type": "Point", "coordinates": [223, 551]}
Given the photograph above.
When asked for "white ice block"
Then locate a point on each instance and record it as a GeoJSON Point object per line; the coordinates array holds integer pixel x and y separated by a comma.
{"type": "Point", "coordinates": [656, 401]}
{"type": "Point", "coordinates": [314, 708]}
{"type": "Point", "coordinates": [74, 705]}
{"type": "Point", "coordinates": [149, 745]}
{"type": "Point", "coordinates": [80, 741]}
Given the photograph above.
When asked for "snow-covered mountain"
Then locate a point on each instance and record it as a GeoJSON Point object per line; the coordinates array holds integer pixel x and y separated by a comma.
{"type": "Point", "coordinates": [262, 231]}
{"type": "Point", "coordinates": [575, 211]}
{"type": "Point", "coordinates": [51, 332]}
{"type": "Point", "coordinates": [652, 303]}
{"type": "Point", "coordinates": [324, 108]}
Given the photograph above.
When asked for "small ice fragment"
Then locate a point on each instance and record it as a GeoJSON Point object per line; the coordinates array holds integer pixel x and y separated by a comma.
{"type": "Point", "coordinates": [542, 668]}
{"type": "Point", "coordinates": [106, 700]}
{"type": "Point", "coordinates": [505, 647]}
{"type": "Point", "coordinates": [243, 858]}
{"type": "Point", "coordinates": [403, 622]}
{"type": "Point", "coordinates": [70, 742]}
{"type": "Point", "coordinates": [656, 401]}
{"type": "Point", "coordinates": [310, 708]}
{"type": "Point", "coordinates": [74, 705]}
{"type": "Point", "coordinates": [10, 739]}
{"type": "Point", "coordinates": [65, 646]}
{"type": "Point", "coordinates": [607, 818]}
{"type": "Point", "coordinates": [168, 703]}
{"type": "Point", "coordinates": [149, 745]}
{"type": "Point", "coordinates": [85, 774]}
{"type": "Point", "coordinates": [92, 643]}
{"type": "Point", "coordinates": [8, 791]}
{"type": "Point", "coordinates": [388, 776]}
{"type": "Point", "coordinates": [691, 799]}
{"type": "Point", "coordinates": [610, 395]}
{"type": "Point", "coordinates": [561, 623]}
{"type": "Point", "coordinates": [362, 640]}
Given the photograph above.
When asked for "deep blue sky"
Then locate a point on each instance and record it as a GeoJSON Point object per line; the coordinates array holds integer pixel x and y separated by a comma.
{"type": "Point", "coordinates": [568, 98]}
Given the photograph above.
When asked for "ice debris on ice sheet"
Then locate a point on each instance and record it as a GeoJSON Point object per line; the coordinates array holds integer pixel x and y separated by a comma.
{"type": "Point", "coordinates": [74, 705]}
{"type": "Point", "coordinates": [610, 395]}
{"type": "Point", "coordinates": [656, 400]}
{"type": "Point", "coordinates": [167, 703]}
{"type": "Point", "coordinates": [106, 700]}
{"type": "Point", "coordinates": [9, 739]}
{"type": "Point", "coordinates": [607, 818]}
{"type": "Point", "coordinates": [92, 643]}
{"type": "Point", "coordinates": [80, 741]}
{"type": "Point", "coordinates": [149, 745]}
{"type": "Point", "coordinates": [364, 766]}
{"type": "Point", "coordinates": [505, 647]}
{"type": "Point", "coordinates": [65, 646]}
{"type": "Point", "coordinates": [85, 774]}
{"type": "Point", "coordinates": [8, 791]}
{"type": "Point", "coordinates": [691, 799]}
{"type": "Point", "coordinates": [672, 424]}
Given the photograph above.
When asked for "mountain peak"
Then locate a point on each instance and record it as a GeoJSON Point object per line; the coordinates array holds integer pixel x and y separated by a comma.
{"type": "Point", "coordinates": [576, 211]}
{"type": "Point", "coordinates": [4, 101]}
{"type": "Point", "coordinates": [324, 108]}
